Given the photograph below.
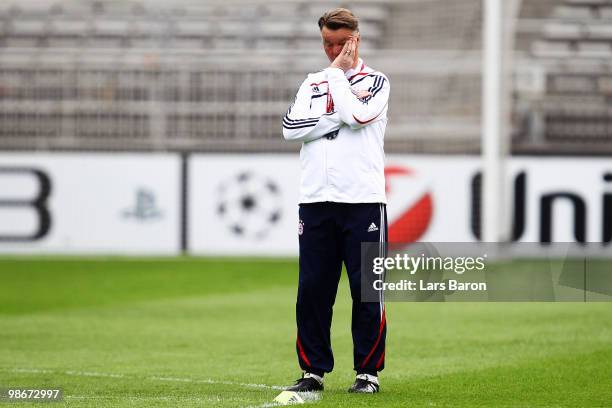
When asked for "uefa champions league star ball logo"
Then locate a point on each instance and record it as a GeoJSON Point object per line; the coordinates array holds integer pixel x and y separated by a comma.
{"type": "Point", "coordinates": [300, 227]}
{"type": "Point", "coordinates": [250, 205]}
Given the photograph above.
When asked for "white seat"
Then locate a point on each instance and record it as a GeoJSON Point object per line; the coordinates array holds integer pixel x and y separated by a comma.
{"type": "Point", "coordinates": [64, 42]}
{"type": "Point", "coordinates": [29, 27]}
{"type": "Point", "coordinates": [21, 42]}
{"type": "Point", "coordinates": [308, 30]}
{"type": "Point", "coordinates": [558, 30]}
{"type": "Point", "coordinates": [111, 28]}
{"type": "Point", "coordinates": [276, 29]}
{"type": "Point", "coordinates": [33, 8]}
{"type": "Point", "coordinates": [575, 13]}
{"type": "Point", "coordinates": [572, 83]}
{"type": "Point", "coordinates": [229, 43]}
{"type": "Point", "coordinates": [103, 42]}
{"type": "Point", "coordinates": [370, 30]}
{"type": "Point", "coordinates": [145, 43]}
{"type": "Point", "coordinates": [308, 44]}
{"type": "Point", "coordinates": [604, 85]}
{"type": "Point", "coordinates": [551, 49]}
{"type": "Point", "coordinates": [186, 43]}
{"type": "Point", "coordinates": [149, 28]}
{"type": "Point", "coordinates": [271, 43]}
{"type": "Point", "coordinates": [605, 13]}
{"type": "Point", "coordinates": [233, 29]}
{"type": "Point", "coordinates": [193, 28]}
{"type": "Point", "coordinates": [371, 12]}
{"type": "Point", "coordinates": [600, 31]}
{"type": "Point", "coordinates": [70, 27]}
{"type": "Point", "coordinates": [286, 10]}
{"type": "Point", "coordinates": [594, 50]}
{"type": "Point", "coordinates": [588, 2]}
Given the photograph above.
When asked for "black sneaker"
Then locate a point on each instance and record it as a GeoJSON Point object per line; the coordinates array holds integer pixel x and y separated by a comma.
{"type": "Point", "coordinates": [308, 382]}
{"type": "Point", "coordinates": [366, 384]}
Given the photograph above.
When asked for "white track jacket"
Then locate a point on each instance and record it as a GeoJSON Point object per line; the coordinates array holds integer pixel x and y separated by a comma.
{"type": "Point", "coordinates": [340, 118]}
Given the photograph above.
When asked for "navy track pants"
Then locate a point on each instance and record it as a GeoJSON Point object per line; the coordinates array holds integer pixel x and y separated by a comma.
{"type": "Point", "coordinates": [330, 234]}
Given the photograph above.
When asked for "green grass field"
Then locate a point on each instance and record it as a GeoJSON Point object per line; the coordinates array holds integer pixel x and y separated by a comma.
{"type": "Point", "coordinates": [220, 332]}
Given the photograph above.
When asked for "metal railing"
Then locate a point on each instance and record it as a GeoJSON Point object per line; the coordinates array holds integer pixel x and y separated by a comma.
{"type": "Point", "coordinates": [216, 100]}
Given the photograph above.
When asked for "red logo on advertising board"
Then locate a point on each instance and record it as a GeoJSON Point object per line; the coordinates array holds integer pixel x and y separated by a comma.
{"type": "Point", "coordinates": [410, 204]}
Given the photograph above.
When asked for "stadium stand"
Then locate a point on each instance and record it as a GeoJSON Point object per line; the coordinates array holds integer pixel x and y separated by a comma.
{"type": "Point", "coordinates": [218, 75]}
{"type": "Point", "coordinates": [573, 51]}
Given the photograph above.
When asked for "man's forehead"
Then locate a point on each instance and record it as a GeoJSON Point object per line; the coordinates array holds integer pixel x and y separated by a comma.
{"type": "Point", "coordinates": [341, 34]}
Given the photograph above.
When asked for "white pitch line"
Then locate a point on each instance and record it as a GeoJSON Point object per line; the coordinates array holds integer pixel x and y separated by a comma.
{"type": "Point", "coordinates": [138, 398]}
{"type": "Point", "coordinates": [209, 381]}
{"type": "Point", "coordinates": [309, 397]}
{"type": "Point", "coordinates": [93, 374]}
{"type": "Point", "coordinates": [152, 378]}
{"type": "Point", "coordinates": [266, 405]}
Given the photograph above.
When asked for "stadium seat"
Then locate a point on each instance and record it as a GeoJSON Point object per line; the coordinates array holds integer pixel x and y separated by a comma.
{"type": "Point", "coordinates": [605, 13]}
{"type": "Point", "coordinates": [587, 2]}
{"type": "Point", "coordinates": [573, 13]}
{"type": "Point", "coordinates": [588, 49]}
{"type": "Point", "coordinates": [111, 28]}
{"type": "Point", "coordinates": [233, 28]}
{"type": "Point", "coordinates": [556, 30]}
{"type": "Point", "coordinates": [193, 29]}
{"type": "Point", "coordinates": [604, 85]}
{"type": "Point", "coordinates": [373, 12]}
{"type": "Point", "coordinates": [265, 44]}
{"type": "Point", "coordinates": [600, 31]}
{"type": "Point", "coordinates": [581, 84]}
{"type": "Point", "coordinates": [276, 29]}
{"type": "Point", "coordinates": [28, 28]}
{"type": "Point", "coordinates": [70, 28]}
{"type": "Point", "coordinates": [552, 49]}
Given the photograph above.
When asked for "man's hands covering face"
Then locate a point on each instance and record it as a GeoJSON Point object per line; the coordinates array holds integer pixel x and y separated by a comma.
{"type": "Point", "coordinates": [348, 56]}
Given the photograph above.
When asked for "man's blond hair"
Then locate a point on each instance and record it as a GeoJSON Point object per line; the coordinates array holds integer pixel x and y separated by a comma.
{"type": "Point", "coordinates": [339, 18]}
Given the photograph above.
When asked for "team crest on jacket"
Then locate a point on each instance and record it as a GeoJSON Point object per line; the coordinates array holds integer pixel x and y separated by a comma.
{"type": "Point", "coordinates": [300, 227]}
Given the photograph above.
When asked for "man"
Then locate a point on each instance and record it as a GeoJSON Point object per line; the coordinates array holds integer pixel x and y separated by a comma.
{"type": "Point", "coordinates": [340, 115]}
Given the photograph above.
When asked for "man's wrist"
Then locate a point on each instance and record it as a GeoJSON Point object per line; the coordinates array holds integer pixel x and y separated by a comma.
{"type": "Point", "coordinates": [337, 67]}
{"type": "Point", "coordinates": [334, 70]}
